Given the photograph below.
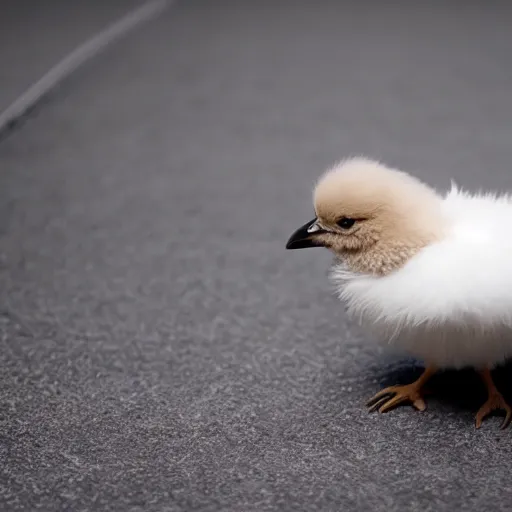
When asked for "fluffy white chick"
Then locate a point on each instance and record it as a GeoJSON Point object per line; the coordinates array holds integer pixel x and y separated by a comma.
{"type": "Point", "coordinates": [427, 273]}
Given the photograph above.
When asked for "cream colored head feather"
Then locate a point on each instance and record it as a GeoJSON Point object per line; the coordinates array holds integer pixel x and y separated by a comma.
{"type": "Point", "coordinates": [372, 217]}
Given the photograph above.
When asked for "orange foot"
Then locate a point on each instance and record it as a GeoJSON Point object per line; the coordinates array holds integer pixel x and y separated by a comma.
{"type": "Point", "coordinates": [393, 396]}
{"type": "Point", "coordinates": [495, 402]}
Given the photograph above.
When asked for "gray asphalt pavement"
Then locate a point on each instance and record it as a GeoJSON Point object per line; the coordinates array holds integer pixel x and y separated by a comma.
{"type": "Point", "coordinates": [35, 35]}
{"type": "Point", "coordinates": [159, 348]}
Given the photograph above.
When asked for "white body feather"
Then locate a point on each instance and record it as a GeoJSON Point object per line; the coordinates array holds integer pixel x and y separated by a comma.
{"type": "Point", "coordinates": [451, 304]}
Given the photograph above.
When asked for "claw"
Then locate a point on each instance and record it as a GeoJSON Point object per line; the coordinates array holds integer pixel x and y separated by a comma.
{"type": "Point", "coordinates": [379, 402]}
{"type": "Point", "coordinates": [393, 402]}
{"type": "Point", "coordinates": [384, 393]}
{"type": "Point", "coordinates": [506, 421]}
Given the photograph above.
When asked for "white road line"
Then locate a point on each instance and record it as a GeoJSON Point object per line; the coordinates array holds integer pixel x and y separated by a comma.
{"type": "Point", "coordinates": [77, 57]}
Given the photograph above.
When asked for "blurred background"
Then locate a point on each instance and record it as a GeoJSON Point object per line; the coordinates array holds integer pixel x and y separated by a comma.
{"type": "Point", "coordinates": [159, 348]}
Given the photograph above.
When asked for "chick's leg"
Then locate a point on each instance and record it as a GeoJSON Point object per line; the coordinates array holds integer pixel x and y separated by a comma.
{"type": "Point", "coordinates": [495, 401]}
{"type": "Point", "coordinates": [389, 398]}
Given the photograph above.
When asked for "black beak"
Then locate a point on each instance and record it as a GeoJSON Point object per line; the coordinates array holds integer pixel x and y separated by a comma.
{"type": "Point", "coordinates": [304, 237]}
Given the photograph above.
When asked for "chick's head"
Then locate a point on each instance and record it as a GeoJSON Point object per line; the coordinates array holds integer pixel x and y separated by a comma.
{"type": "Point", "coordinates": [370, 216]}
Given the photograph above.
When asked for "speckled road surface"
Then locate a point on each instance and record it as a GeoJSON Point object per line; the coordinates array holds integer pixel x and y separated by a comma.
{"type": "Point", "coordinates": [159, 348]}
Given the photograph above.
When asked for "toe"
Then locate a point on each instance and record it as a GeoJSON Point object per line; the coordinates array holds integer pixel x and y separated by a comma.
{"type": "Point", "coordinates": [384, 393]}
{"type": "Point", "coordinates": [482, 413]}
{"type": "Point", "coordinates": [478, 420]}
{"type": "Point", "coordinates": [419, 404]}
{"type": "Point", "coordinates": [379, 402]}
{"type": "Point", "coordinates": [393, 402]}
{"type": "Point", "coordinates": [508, 417]}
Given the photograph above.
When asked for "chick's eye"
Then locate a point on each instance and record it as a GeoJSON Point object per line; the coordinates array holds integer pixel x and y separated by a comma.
{"type": "Point", "coordinates": [346, 223]}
